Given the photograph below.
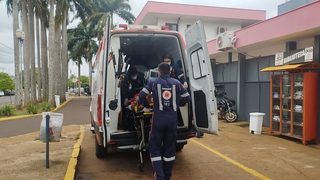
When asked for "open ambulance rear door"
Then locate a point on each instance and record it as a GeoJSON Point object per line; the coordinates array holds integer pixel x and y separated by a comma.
{"type": "Point", "coordinates": [105, 102]}
{"type": "Point", "coordinates": [201, 80]}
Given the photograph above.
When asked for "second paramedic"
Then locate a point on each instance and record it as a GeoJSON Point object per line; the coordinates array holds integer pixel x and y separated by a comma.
{"type": "Point", "coordinates": [175, 71]}
{"type": "Point", "coordinates": [168, 94]}
{"type": "Point", "coordinates": [136, 79]}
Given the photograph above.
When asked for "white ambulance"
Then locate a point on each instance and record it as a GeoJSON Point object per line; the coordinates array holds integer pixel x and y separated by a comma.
{"type": "Point", "coordinates": [142, 46]}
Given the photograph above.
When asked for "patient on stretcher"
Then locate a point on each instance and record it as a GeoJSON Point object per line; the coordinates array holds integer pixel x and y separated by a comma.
{"type": "Point", "coordinates": [133, 104]}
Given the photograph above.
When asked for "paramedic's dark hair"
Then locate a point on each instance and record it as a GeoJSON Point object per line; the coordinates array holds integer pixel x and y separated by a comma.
{"type": "Point", "coordinates": [167, 55]}
{"type": "Point", "coordinates": [164, 68]}
{"type": "Point", "coordinates": [132, 70]}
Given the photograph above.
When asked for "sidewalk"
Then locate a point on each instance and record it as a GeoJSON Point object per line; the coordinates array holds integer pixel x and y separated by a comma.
{"type": "Point", "coordinates": [234, 154]}
{"type": "Point", "coordinates": [75, 112]}
{"type": "Point", "coordinates": [276, 157]}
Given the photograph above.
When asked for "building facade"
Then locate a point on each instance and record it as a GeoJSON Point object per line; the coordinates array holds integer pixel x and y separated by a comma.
{"type": "Point", "coordinates": [292, 4]}
{"type": "Point", "coordinates": [238, 71]}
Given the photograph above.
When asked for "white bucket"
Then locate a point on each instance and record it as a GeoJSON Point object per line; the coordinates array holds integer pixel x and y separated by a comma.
{"type": "Point", "coordinates": [57, 98]}
{"type": "Point", "coordinates": [55, 126]}
{"type": "Point", "coordinates": [67, 96]}
{"type": "Point", "coordinates": [256, 120]}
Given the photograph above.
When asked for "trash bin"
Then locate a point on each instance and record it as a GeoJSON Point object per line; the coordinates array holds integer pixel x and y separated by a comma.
{"type": "Point", "coordinates": [67, 96]}
{"type": "Point", "coordinates": [256, 120]}
{"type": "Point", "coordinates": [57, 98]}
{"type": "Point", "coordinates": [55, 126]}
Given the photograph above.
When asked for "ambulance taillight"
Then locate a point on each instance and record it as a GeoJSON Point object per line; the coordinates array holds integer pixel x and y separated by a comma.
{"type": "Point", "coordinates": [99, 110]}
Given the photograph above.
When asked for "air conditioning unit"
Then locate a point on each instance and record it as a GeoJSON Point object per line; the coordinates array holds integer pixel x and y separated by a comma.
{"type": "Point", "coordinates": [221, 30]}
{"type": "Point", "coordinates": [224, 41]}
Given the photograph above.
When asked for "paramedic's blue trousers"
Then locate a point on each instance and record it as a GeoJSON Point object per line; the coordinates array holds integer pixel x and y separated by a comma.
{"type": "Point", "coordinates": [167, 138]}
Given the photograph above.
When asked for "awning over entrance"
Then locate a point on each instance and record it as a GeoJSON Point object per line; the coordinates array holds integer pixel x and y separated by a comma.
{"type": "Point", "coordinates": [310, 66]}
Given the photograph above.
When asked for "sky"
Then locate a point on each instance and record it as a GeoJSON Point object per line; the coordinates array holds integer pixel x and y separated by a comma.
{"type": "Point", "coordinates": [6, 33]}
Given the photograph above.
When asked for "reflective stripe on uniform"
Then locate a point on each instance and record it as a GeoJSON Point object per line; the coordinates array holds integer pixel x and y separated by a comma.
{"type": "Point", "coordinates": [174, 104]}
{"type": "Point", "coordinates": [156, 158]}
{"type": "Point", "coordinates": [180, 76]}
{"type": "Point", "coordinates": [160, 97]}
{"type": "Point", "coordinates": [185, 94]}
{"type": "Point", "coordinates": [169, 159]}
{"type": "Point", "coordinates": [145, 90]}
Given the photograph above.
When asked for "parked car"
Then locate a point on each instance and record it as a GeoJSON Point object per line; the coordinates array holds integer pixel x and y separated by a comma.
{"type": "Point", "coordinates": [1, 93]}
{"type": "Point", "coordinates": [9, 92]}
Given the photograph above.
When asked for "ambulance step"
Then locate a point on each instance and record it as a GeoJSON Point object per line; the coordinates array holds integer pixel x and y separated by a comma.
{"type": "Point", "coordinates": [128, 148]}
{"type": "Point", "coordinates": [120, 135]}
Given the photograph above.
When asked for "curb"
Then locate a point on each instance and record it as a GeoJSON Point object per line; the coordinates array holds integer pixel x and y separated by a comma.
{"type": "Point", "coordinates": [71, 169]}
{"type": "Point", "coordinates": [39, 114]}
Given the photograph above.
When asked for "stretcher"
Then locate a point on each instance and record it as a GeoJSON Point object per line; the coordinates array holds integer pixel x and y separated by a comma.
{"type": "Point", "coordinates": [142, 124]}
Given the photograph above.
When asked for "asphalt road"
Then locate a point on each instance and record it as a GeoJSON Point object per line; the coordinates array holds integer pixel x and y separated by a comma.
{"type": "Point", "coordinates": [75, 112]}
{"type": "Point", "coordinates": [6, 100]}
{"type": "Point", "coordinates": [192, 163]}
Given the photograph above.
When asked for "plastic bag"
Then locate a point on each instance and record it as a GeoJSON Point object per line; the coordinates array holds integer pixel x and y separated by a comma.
{"type": "Point", "coordinates": [55, 126]}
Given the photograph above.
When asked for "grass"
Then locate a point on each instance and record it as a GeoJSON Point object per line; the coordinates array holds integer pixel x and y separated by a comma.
{"type": "Point", "coordinates": [31, 108]}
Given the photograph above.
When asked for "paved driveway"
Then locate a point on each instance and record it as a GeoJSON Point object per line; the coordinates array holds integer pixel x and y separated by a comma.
{"type": "Point", "coordinates": [75, 112]}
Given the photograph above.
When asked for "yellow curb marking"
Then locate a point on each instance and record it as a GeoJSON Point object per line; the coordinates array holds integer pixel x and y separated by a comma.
{"type": "Point", "coordinates": [71, 170]}
{"type": "Point", "coordinates": [32, 115]}
{"type": "Point", "coordinates": [251, 171]}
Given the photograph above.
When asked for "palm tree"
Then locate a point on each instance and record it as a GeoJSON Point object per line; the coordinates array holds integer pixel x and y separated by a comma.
{"type": "Point", "coordinates": [13, 9]}
{"type": "Point", "coordinates": [90, 51]}
{"type": "Point", "coordinates": [42, 11]}
{"type": "Point", "coordinates": [81, 44]}
{"type": "Point", "coordinates": [26, 50]}
{"type": "Point", "coordinates": [52, 57]}
{"type": "Point", "coordinates": [31, 45]}
{"type": "Point", "coordinates": [38, 58]}
{"type": "Point", "coordinates": [110, 7]}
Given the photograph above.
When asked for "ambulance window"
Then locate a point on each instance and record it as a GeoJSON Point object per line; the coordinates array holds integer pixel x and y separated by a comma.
{"type": "Point", "coordinates": [198, 64]}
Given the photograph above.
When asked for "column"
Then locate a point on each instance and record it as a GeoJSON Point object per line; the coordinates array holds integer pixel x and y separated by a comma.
{"type": "Point", "coordinates": [316, 59]}
{"type": "Point", "coordinates": [241, 80]}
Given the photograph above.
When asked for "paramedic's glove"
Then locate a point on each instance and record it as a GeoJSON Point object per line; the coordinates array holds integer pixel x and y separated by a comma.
{"type": "Point", "coordinates": [146, 110]}
{"type": "Point", "coordinates": [185, 85]}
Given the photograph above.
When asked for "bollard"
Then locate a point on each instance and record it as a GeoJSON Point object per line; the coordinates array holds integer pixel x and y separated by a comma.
{"type": "Point", "coordinates": [47, 141]}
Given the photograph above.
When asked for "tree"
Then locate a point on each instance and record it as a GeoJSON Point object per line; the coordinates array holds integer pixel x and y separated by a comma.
{"type": "Point", "coordinates": [31, 45]}
{"type": "Point", "coordinates": [110, 7]}
{"type": "Point", "coordinates": [84, 80]}
{"type": "Point", "coordinates": [80, 39]}
{"type": "Point", "coordinates": [26, 50]}
{"type": "Point", "coordinates": [12, 9]}
{"type": "Point", "coordinates": [42, 11]}
{"type": "Point", "coordinates": [6, 82]}
{"type": "Point", "coordinates": [52, 57]}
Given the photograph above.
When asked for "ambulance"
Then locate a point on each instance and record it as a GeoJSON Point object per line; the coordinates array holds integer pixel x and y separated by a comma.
{"type": "Point", "coordinates": [142, 46]}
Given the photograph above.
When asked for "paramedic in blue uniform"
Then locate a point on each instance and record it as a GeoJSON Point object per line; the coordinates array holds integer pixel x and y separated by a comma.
{"type": "Point", "coordinates": [175, 71]}
{"type": "Point", "coordinates": [136, 79]}
{"type": "Point", "coordinates": [168, 94]}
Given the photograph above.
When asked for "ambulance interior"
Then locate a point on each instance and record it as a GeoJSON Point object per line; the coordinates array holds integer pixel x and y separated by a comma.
{"type": "Point", "coordinates": [144, 52]}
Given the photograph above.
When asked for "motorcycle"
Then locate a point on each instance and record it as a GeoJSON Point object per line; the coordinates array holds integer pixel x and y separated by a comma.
{"type": "Point", "coordinates": [224, 108]}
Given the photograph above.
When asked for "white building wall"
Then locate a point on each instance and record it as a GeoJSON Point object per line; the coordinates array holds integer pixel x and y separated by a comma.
{"type": "Point", "coordinates": [210, 27]}
{"type": "Point", "coordinates": [268, 50]}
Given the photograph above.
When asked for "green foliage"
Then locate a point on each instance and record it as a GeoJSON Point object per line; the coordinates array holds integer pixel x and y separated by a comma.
{"type": "Point", "coordinates": [7, 110]}
{"type": "Point", "coordinates": [6, 82]}
{"type": "Point", "coordinates": [32, 108]}
{"type": "Point", "coordinates": [4, 75]}
{"type": "Point", "coordinates": [45, 106]}
{"type": "Point", "coordinates": [84, 80]}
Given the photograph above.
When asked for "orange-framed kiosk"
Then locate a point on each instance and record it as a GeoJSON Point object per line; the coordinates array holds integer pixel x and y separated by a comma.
{"type": "Point", "coordinates": [294, 101]}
